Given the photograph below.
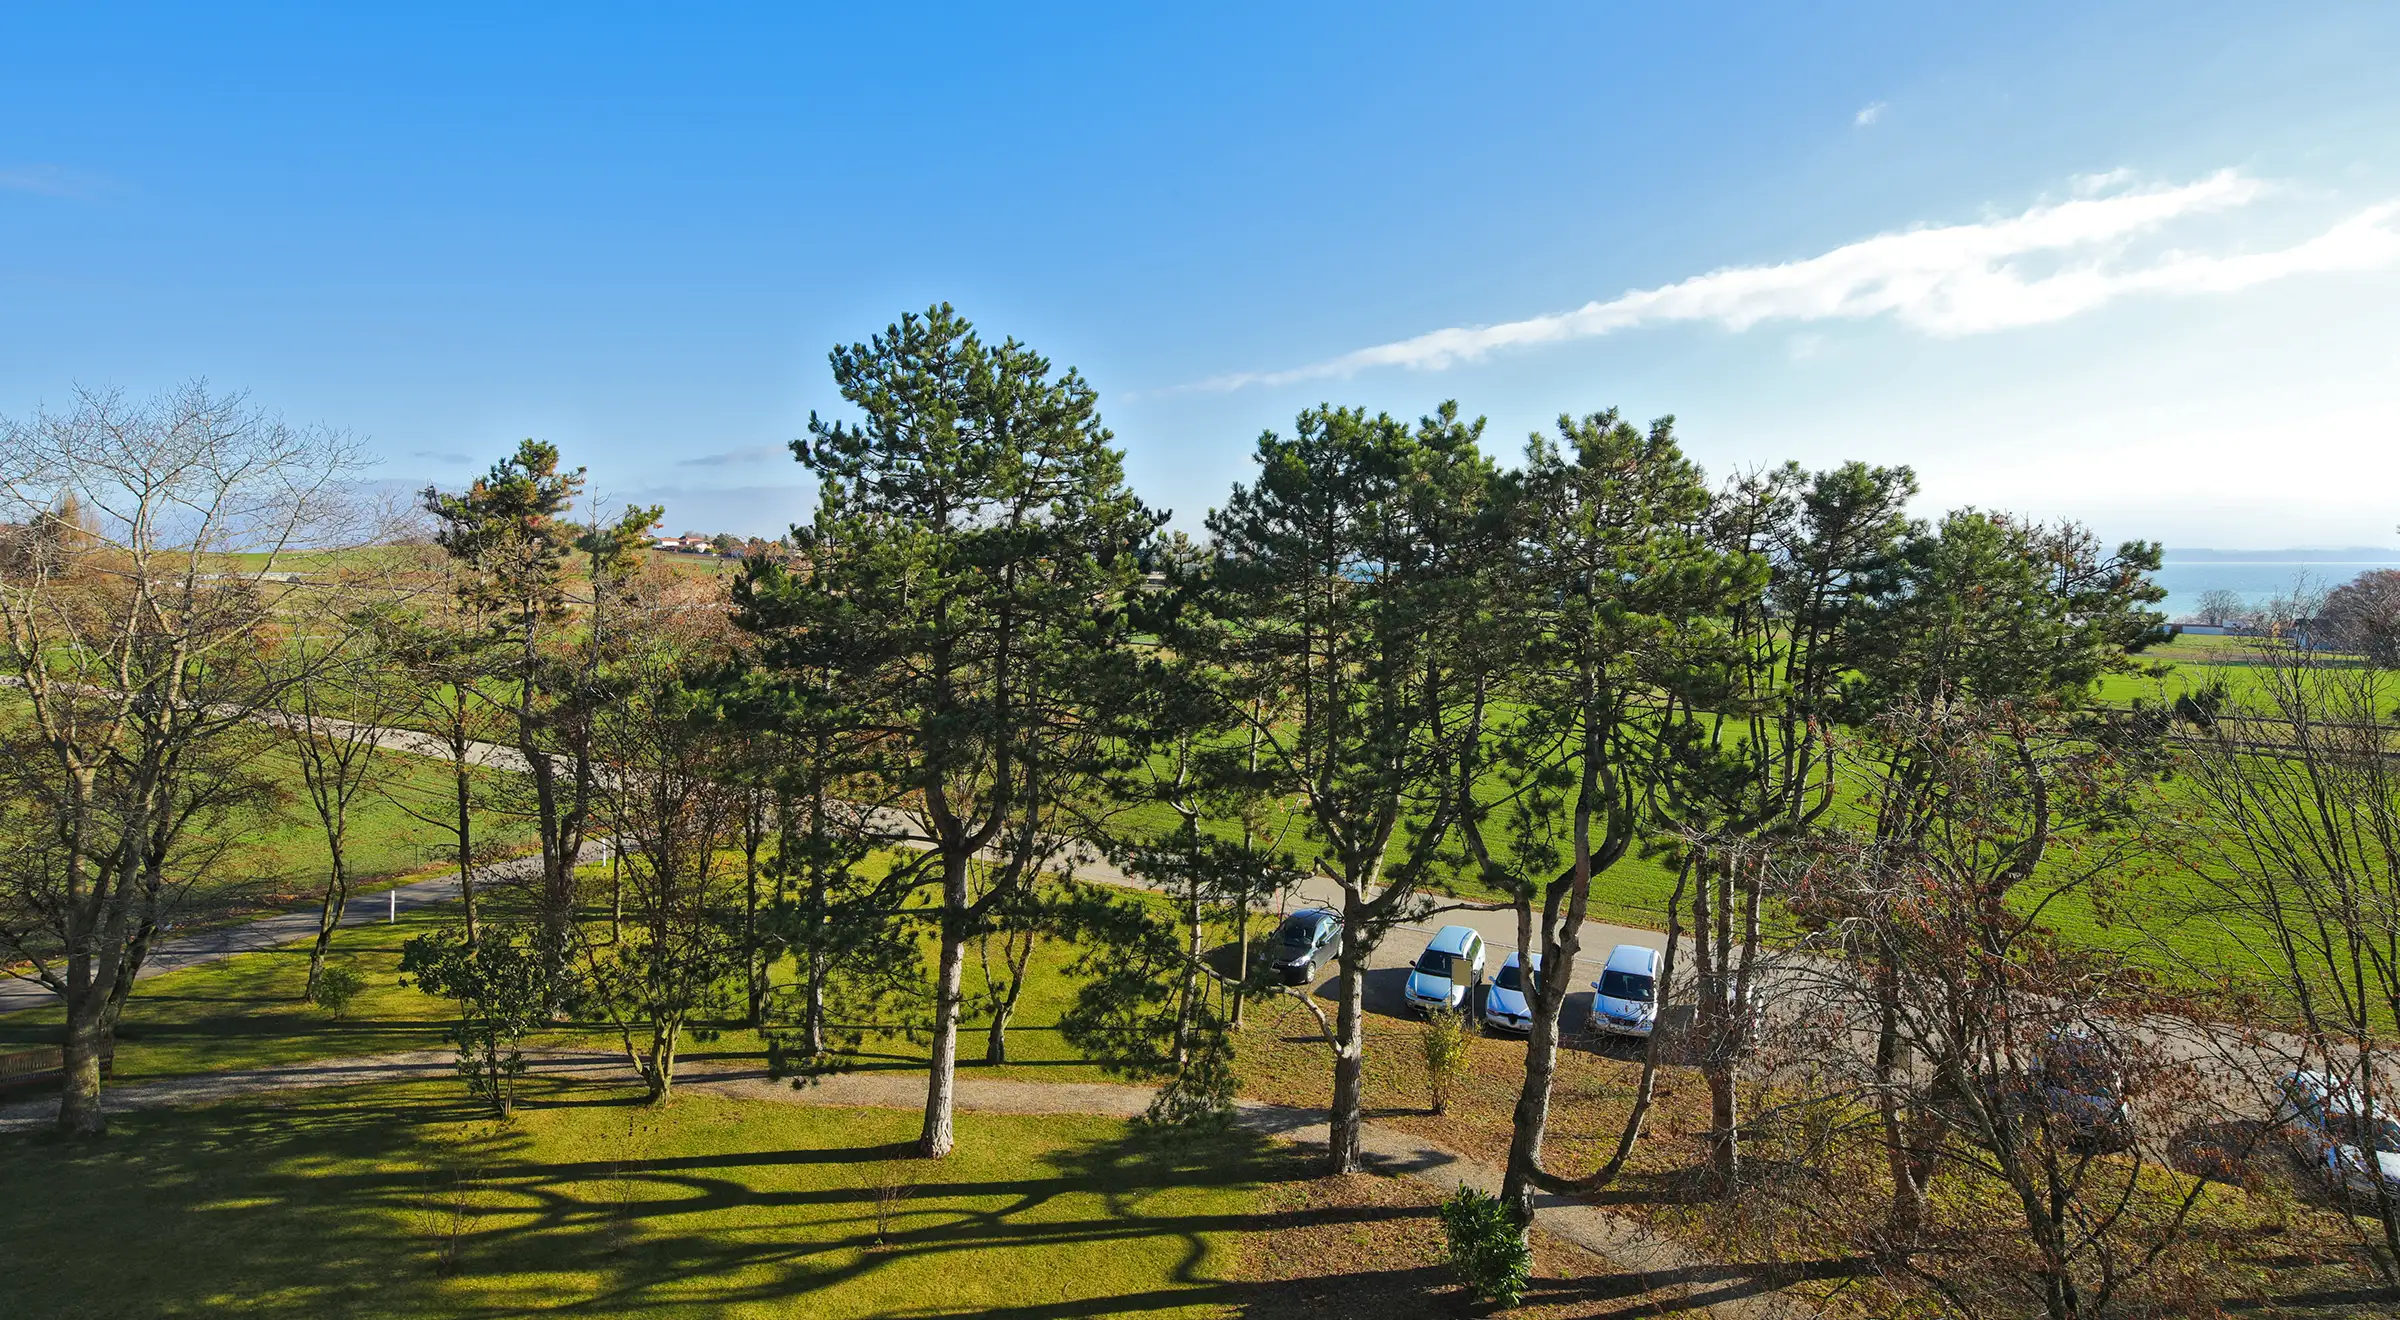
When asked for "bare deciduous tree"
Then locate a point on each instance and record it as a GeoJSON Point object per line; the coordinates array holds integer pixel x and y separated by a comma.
{"type": "Point", "coordinates": [127, 636]}
{"type": "Point", "coordinates": [339, 706]}
{"type": "Point", "coordinates": [2300, 841]}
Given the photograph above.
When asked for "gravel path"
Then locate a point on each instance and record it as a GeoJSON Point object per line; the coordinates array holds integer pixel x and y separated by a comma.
{"type": "Point", "coordinates": [1660, 1264]}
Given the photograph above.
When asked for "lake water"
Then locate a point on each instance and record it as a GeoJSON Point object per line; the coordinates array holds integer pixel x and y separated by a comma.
{"type": "Point", "coordinates": [2254, 580]}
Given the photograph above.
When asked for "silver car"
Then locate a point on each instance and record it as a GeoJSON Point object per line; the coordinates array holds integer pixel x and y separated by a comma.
{"type": "Point", "coordinates": [1504, 1004]}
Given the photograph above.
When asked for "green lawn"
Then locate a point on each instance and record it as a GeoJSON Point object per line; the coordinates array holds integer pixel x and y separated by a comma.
{"type": "Point", "coordinates": [342, 1203]}
{"type": "Point", "coordinates": [246, 1012]}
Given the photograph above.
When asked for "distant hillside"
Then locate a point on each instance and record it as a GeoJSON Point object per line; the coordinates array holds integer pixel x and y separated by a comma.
{"type": "Point", "coordinates": [2348, 554]}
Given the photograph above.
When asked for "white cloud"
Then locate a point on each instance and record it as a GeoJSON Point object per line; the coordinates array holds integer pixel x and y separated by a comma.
{"type": "Point", "coordinates": [1867, 115]}
{"type": "Point", "coordinates": [1942, 280]}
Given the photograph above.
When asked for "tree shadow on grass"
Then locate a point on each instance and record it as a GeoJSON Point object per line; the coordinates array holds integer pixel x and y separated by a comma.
{"type": "Point", "coordinates": [330, 1201]}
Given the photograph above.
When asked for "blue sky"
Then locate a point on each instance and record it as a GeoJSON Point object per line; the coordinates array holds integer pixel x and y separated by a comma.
{"type": "Point", "coordinates": [2134, 264]}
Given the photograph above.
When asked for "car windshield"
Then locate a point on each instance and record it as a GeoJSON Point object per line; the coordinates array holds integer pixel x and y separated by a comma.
{"type": "Point", "coordinates": [2350, 1130]}
{"type": "Point", "coordinates": [1627, 985]}
{"type": "Point", "coordinates": [1300, 932]}
{"type": "Point", "coordinates": [1509, 978]}
{"type": "Point", "coordinates": [1433, 962]}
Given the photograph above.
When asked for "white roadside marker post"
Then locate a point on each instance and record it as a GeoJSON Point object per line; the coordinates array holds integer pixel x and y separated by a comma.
{"type": "Point", "coordinates": [391, 907]}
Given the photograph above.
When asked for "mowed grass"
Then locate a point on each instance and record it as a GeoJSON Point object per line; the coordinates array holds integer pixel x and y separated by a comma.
{"type": "Point", "coordinates": [281, 857]}
{"type": "Point", "coordinates": [247, 1012]}
{"type": "Point", "coordinates": [400, 1200]}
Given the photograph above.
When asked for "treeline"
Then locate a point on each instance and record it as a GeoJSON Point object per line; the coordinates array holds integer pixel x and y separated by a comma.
{"type": "Point", "coordinates": [986, 657]}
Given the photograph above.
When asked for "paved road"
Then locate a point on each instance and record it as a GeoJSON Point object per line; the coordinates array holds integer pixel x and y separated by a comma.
{"type": "Point", "coordinates": [176, 954]}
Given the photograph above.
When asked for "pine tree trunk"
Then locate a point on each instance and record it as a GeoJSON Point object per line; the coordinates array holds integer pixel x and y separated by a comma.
{"type": "Point", "coordinates": [1714, 1025]}
{"type": "Point", "coordinates": [1532, 1120]}
{"type": "Point", "coordinates": [812, 1030]}
{"type": "Point", "coordinates": [1347, 1114]}
{"type": "Point", "coordinates": [463, 787]}
{"type": "Point", "coordinates": [995, 1041]}
{"type": "Point", "coordinates": [1004, 1008]}
{"type": "Point", "coordinates": [941, 1081]}
{"type": "Point", "coordinates": [1241, 943]}
{"type": "Point", "coordinates": [1186, 1009]}
{"type": "Point", "coordinates": [751, 972]}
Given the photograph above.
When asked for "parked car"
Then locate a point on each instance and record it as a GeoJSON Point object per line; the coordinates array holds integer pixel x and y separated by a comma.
{"type": "Point", "coordinates": [1304, 940]}
{"type": "Point", "coordinates": [1625, 998]}
{"type": "Point", "coordinates": [2336, 1131]}
{"type": "Point", "coordinates": [2074, 1083]}
{"type": "Point", "coordinates": [2082, 1087]}
{"type": "Point", "coordinates": [1504, 1003]}
{"type": "Point", "coordinates": [1447, 972]}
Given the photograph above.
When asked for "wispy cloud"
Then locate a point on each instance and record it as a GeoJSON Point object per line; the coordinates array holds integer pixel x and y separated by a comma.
{"type": "Point", "coordinates": [52, 181]}
{"type": "Point", "coordinates": [1867, 114]}
{"type": "Point", "coordinates": [1942, 280]}
{"type": "Point", "coordinates": [732, 457]}
{"type": "Point", "coordinates": [435, 456]}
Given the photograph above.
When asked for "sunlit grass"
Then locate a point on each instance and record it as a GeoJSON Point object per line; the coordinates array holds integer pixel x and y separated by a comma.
{"type": "Point", "coordinates": [343, 1203]}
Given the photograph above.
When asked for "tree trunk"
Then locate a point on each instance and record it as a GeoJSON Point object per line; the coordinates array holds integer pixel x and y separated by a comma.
{"type": "Point", "coordinates": [463, 787]}
{"type": "Point", "coordinates": [812, 1028]}
{"type": "Point", "coordinates": [1907, 1214]}
{"type": "Point", "coordinates": [754, 837]}
{"type": "Point", "coordinates": [87, 1040]}
{"type": "Point", "coordinates": [751, 971]}
{"type": "Point", "coordinates": [1187, 1007]}
{"type": "Point", "coordinates": [814, 958]}
{"type": "Point", "coordinates": [1532, 1119]}
{"type": "Point", "coordinates": [329, 914]}
{"type": "Point", "coordinates": [1714, 1025]}
{"type": "Point", "coordinates": [1347, 1113]}
{"type": "Point", "coordinates": [1004, 1007]}
{"type": "Point", "coordinates": [995, 1041]}
{"type": "Point", "coordinates": [660, 1074]}
{"type": "Point", "coordinates": [1724, 1123]}
{"type": "Point", "coordinates": [1546, 996]}
{"type": "Point", "coordinates": [949, 994]}
{"type": "Point", "coordinates": [1241, 944]}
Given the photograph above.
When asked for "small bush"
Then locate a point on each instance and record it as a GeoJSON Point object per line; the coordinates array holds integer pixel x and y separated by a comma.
{"type": "Point", "coordinates": [338, 985]}
{"type": "Point", "coordinates": [1486, 1250]}
{"type": "Point", "coordinates": [896, 1182]}
{"type": "Point", "coordinates": [1443, 1041]}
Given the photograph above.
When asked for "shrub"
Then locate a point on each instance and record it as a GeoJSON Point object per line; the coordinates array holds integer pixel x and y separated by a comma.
{"type": "Point", "coordinates": [337, 986]}
{"type": "Point", "coordinates": [503, 992]}
{"type": "Point", "coordinates": [1486, 1250]}
{"type": "Point", "coordinates": [1443, 1042]}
